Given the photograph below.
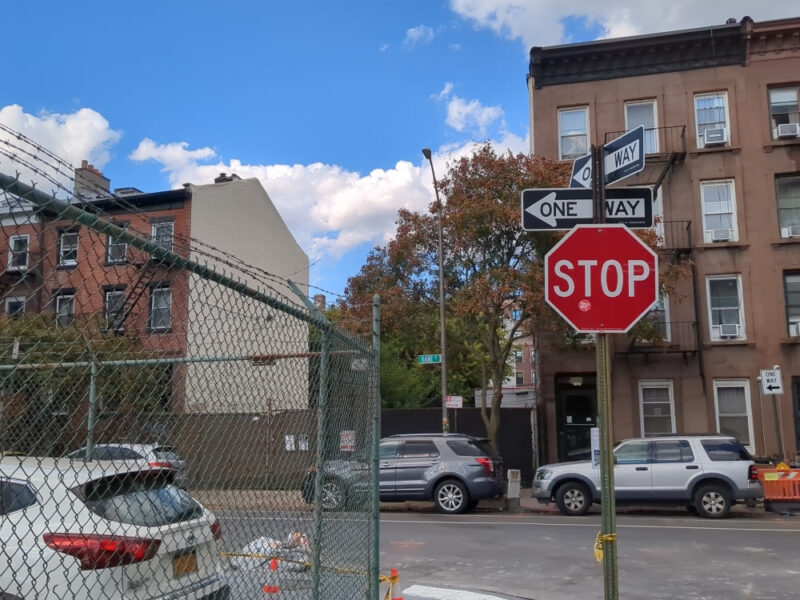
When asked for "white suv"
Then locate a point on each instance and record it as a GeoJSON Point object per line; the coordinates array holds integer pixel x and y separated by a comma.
{"type": "Point", "coordinates": [707, 473]}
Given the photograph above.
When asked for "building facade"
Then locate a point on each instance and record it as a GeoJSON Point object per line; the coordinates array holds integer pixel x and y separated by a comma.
{"type": "Point", "coordinates": [722, 141]}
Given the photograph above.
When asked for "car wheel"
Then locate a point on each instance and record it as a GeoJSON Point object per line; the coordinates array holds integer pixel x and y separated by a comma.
{"type": "Point", "coordinates": [451, 497]}
{"type": "Point", "coordinates": [573, 499]}
{"type": "Point", "coordinates": [333, 495]}
{"type": "Point", "coordinates": [712, 501]}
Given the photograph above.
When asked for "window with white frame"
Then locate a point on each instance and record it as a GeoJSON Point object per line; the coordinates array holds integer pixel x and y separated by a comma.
{"type": "Point", "coordinates": [533, 377]}
{"type": "Point", "coordinates": [116, 250]}
{"type": "Point", "coordinates": [162, 233]}
{"type": "Point", "coordinates": [711, 115]}
{"type": "Point", "coordinates": [791, 290]}
{"type": "Point", "coordinates": [784, 109]}
{"type": "Point", "coordinates": [657, 408]}
{"type": "Point", "coordinates": [734, 415]}
{"type": "Point", "coordinates": [68, 248]}
{"type": "Point", "coordinates": [719, 211]}
{"type": "Point", "coordinates": [787, 194]}
{"type": "Point", "coordinates": [643, 113]}
{"type": "Point", "coordinates": [17, 252]}
{"type": "Point", "coordinates": [15, 306]}
{"type": "Point", "coordinates": [65, 308]}
{"type": "Point", "coordinates": [533, 357]}
{"type": "Point", "coordinates": [573, 132]}
{"type": "Point", "coordinates": [114, 308]}
{"type": "Point", "coordinates": [725, 307]}
{"type": "Point", "coordinates": [160, 308]}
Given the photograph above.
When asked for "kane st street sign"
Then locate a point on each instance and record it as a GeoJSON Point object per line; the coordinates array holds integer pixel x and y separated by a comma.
{"type": "Point", "coordinates": [429, 359]}
{"type": "Point", "coordinates": [562, 208]}
{"type": "Point", "coordinates": [623, 157]}
{"type": "Point", "coordinates": [601, 278]}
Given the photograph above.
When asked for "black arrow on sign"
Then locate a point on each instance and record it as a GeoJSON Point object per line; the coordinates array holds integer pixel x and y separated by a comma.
{"type": "Point", "coordinates": [771, 387]}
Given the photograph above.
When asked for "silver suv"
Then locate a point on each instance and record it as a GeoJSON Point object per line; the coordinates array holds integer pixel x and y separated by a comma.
{"type": "Point", "coordinates": [707, 473]}
{"type": "Point", "coordinates": [456, 471]}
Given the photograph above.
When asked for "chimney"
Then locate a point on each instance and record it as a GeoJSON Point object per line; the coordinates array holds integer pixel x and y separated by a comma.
{"type": "Point", "coordinates": [90, 183]}
{"type": "Point", "coordinates": [223, 178]}
{"type": "Point", "coordinates": [319, 301]}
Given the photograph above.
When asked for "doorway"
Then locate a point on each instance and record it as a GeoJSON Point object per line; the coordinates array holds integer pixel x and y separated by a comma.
{"type": "Point", "coordinates": [576, 414]}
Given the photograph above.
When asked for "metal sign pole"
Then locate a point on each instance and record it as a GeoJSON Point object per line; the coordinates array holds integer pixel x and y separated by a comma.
{"type": "Point", "coordinates": [608, 536]}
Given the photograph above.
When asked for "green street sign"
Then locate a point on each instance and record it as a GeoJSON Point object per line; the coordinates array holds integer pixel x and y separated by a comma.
{"type": "Point", "coordinates": [429, 359]}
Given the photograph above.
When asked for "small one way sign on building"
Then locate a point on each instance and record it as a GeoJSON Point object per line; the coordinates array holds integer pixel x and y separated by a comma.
{"type": "Point", "coordinates": [771, 381]}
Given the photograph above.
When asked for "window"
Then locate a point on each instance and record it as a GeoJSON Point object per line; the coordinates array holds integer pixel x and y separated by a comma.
{"type": "Point", "coordinates": [116, 250]}
{"type": "Point", "coordinates": [17, 253]}
{"type": "Point", "coordinates": [787, 193]}
{"type": "Point", "coordinates": [68, 248]}
{"type": "Point", "coordinates": [643, 113]}
{"type": "Point", "coordinates": [725, 450]}
{"type": "Point", "coordinates": [288, 443]}
{"type": "Point", "coordinates": [657, 414]}
{"type": "Point", "coordinates": [161, 232]}
{"type": "Point", "coordinates": [389, 449]}
{"type": "Point", "coordinates": [14, 496]}
{"type": "Point", "coordinates": [732, 402]}
{"type": "Point", "coordinates": [517, 355]}
{"type": "Point", "coordinates": [632, 453]}
{"type": "Point", "coordinates": [15, 306]}
{"type": "Point", "coordinates": [472, 448]}
{"type": "Point", "coordinates": [533, 357]}
{"type": "Point", "coordinates": [573, 131]}
{"type": "Point", "coordinates": [791, 290]}
{"type": "Point", "coordinates": [533, 377]}
{"type": "Point", "coordinates": [711, 113]}
{"type": "Point", "coordinates": [65, 308]}
{"type": "Point", "coordinates": [516, 314]}
{"type": "Point", "coordinates": [784, 108]}
{"type": "Point", "coordinates": [302, 442]}
{"type": "Point", "coordinates": [419, 449]}
{"type": "Point", "coordinates": [672, 451]}
{"type": "Point", "coordinates": [719, 211]}
{"type": "Point", "coordinates": [114, 308]}
{"type": "Point", "coordinates": [725, 311]}
{"type": "Point", "coordinates": [160, 308]}
{"type": "Point", "coordinates": [659, 318]}
{"type": "Point", "coordinates": [519, 378]}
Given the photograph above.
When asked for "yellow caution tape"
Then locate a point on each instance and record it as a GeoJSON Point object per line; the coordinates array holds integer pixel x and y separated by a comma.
{"type": "Point", "coordinates": [598, 544]}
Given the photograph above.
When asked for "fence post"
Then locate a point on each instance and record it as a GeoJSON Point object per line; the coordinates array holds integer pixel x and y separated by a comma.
{"type": "Point", "coordinates": [322, 409]}
{"type": "Point", "coordinates": [376, 441]}
{"type": "Point", "coordinates": [92, 407]}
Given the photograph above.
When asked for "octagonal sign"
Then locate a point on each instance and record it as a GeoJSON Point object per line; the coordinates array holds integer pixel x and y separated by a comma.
{"type": "Point", "coordinates": [601, 278]}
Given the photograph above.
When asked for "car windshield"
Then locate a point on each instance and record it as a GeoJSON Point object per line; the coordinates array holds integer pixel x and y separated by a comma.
{"type": "Point", "coordinates": [146, 498]}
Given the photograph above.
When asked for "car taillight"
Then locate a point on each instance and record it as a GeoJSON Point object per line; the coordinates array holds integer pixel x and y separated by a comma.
{"type": "Point", "coordinates": [160, 464]}
{"type": "Point", "coordinates": [487, 464]}
{"type": "Point", "coordinates": [102, 551]}
{"type": "Point", "coordinates": [752, 473]}
{"type": "Point", "coordinates": [216, 529]}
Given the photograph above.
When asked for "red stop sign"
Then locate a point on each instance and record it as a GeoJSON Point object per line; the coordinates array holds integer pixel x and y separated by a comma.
{"type": "Point", "coordinates": [601, 278]}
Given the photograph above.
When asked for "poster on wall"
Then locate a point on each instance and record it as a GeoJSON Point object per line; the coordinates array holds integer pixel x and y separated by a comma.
{"type": "Point", "coordinates": [347, 440]}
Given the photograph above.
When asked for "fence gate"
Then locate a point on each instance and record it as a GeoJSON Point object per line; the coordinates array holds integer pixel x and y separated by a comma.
{"type": "Point", "coordinates": [174, 422]}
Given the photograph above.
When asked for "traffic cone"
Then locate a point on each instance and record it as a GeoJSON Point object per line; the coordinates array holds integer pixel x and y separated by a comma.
{"type": "Point", "coordinates": [272, 587]}
{"type": "Point", "coordinates": [395, 579]}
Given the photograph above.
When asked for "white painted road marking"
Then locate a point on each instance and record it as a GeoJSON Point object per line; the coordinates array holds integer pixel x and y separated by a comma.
{"type": "Point", "coordinates": [435, 593]}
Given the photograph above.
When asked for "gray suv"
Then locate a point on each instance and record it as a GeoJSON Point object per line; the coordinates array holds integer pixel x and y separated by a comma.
{"type": "Point", "coordinates": [707, 473]}
{"type": "Point", "coordinates": [456, 471]}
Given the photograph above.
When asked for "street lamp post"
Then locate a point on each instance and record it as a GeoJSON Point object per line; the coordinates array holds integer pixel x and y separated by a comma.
{"type": "Point", "coordinates": [442, 341]}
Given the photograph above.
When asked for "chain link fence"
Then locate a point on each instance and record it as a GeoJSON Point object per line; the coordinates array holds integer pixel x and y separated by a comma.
{"type": "Point", "coordinates": [174, 421]}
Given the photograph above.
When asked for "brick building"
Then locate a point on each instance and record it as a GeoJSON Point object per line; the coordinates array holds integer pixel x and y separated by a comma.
{"type": "Point", "coordinates": [722, 138]}
{"type": "Point", "coordinates": [48, 265]}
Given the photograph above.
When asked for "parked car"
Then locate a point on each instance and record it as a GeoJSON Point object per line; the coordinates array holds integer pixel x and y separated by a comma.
{"type": "Point", "coordinates": [455, 471]}
{"type": "Point", "coordinates": [87, 530]}
{"type": "Point", "coordinates": [155, 455]}
{"type": "Point", "coordinates": [707, 473]}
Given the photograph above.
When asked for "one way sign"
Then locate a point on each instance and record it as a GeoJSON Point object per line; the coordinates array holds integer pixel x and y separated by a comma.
{"type": "Point", "coordinates": [771, 381]}
{"type": "Point", "coordinates": [623, 157]}
{"type": "Point", "coordinates": [563, 208]}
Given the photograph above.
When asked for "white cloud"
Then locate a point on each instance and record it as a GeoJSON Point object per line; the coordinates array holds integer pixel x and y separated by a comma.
{"type": "Point", "coordinates": [474, 115]}
{"type": "Point", "coordinates": [446, 91]}
{"type": "Point", "coordinates": [539, 22]}
{"type": "Point", "coordinates": [384, 48]}
{"type": "Point", "coordinates": [173, 156]}
{"type": "Point", "coordinates": [81, 135]}
{"type": "Point", "coordinates": [420, 34]}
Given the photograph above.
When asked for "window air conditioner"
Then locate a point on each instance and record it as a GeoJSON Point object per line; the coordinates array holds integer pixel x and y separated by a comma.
{"type": "Point", "coordinates": [790, 231]}
{"type": "Point", "coordinates": [789, 130]}
{"type": "Point", "coordinates": [721, 235]}
{"type": "Point", "coordinates": [715, 137]}
{"type": "Point", "coordinates": [794, 328]}
{"type": "Point", "coordinates": [729, 330]}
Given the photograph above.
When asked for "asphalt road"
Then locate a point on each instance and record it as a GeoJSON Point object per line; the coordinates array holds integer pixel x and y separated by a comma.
{"type": "Point", "coordinates": [549, 557]}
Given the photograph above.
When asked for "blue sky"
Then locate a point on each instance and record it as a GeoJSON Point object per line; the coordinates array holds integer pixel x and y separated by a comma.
{"type": "Point", "coordinates": [327, 103]}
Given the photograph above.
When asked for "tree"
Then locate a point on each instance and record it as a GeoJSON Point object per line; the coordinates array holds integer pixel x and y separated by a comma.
{"type": "Point", "coordinates": [491, 265]}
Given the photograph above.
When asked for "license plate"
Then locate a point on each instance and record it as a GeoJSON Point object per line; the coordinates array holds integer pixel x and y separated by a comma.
{"type": "Point", "coordinates": [183, 564]}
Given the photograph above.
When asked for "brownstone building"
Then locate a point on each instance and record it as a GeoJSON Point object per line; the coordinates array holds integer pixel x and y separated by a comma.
{"type": "Point", "coordinates": [722, 141]}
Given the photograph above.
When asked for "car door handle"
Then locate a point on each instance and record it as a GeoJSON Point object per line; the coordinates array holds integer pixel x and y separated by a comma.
{"type": "Point", "coordinates": [641, 468]}
{"type": "Point", "coordinates": [692, 467]}
{"type": "Point", "coordinates": [385, 464]}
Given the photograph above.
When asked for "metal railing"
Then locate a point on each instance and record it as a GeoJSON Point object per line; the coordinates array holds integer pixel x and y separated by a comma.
{"type": "Point", "coordinates": [659, 141]}
{"type": "Point", "coordinates": [675, 235]}
{"type": "Point", "coordinates": [663, 336]}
